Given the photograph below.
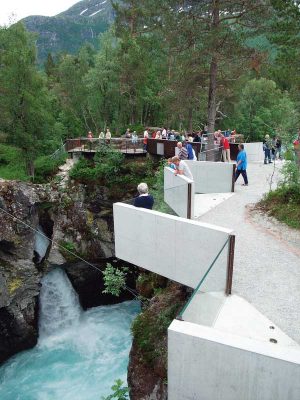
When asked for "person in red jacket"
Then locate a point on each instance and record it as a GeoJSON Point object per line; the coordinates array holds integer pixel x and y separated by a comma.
{"type": "Point", "coordinates": [226, 148]}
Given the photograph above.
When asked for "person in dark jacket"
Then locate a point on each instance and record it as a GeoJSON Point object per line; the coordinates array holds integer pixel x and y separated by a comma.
{"type": "Point", "coordinates": [144, 200]}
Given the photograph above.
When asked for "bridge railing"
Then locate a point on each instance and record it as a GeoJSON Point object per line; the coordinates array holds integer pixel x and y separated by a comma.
{"type": "Point", "coordinates": [123, 145]}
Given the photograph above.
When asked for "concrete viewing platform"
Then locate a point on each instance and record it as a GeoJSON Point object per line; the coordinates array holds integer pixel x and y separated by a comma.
{"type": "Point", "coordinates": [237, 337]}
{"type": "Point", "coordinates": [266, 268]}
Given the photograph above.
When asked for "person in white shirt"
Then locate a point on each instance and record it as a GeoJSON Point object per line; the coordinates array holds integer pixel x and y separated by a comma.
{"type": "Point", "coordinates": [164, 134]}
{"type": "Point", "coordinates": [134, 138]}
{"type": "Point", "coordinates": [146, 133]}
{"type": "Point", "coordinates": [107, 135]}
{"type": "Point", "coordinates": [182, 168]}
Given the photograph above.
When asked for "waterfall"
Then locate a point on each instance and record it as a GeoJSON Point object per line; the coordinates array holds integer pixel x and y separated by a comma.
{"type": "Point", "coordinates": [59, 304]}
{"type": "Point", "coordinates": [79, 353]}
{"type": "Point", "coordinates": [41, 244]}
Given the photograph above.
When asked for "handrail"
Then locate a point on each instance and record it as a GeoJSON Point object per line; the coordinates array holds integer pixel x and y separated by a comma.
{"type": "Point", "coordinates": [180, 315]}
{"type": "Point", "coordinates": [125, 145]}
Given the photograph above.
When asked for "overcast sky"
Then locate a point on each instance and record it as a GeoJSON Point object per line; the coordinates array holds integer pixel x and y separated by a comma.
{"type": "Point", "coordinates": [23, 8]}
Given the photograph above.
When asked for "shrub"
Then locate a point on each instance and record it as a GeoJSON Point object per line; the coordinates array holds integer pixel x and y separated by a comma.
{"type": "Point", "coordinates": [149, 330]}
{"type": "Point", "coordinates": [120, 392]}
{"type": "Point", "coordinates": [46, 167]}
{"type": "Point", "coordinates": [114, 280]}
{"type": "Point", "coordinates": [12, 164]}
{"type": "Point", "coordinates": [105, 167]}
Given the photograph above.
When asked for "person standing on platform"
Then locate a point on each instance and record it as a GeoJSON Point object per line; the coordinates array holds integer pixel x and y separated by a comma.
{"type": "Point", "coordinates": [267, 147]}
{"type": "Point", "coordinates": [183, 153]}
{"type": "Point", "coordinates": [107, 136]}
{"type": "Point", "coordinates": [189, 148]}
{"type": "Point", "coordinates": [90, 139]}
{"type": "Point", "coordinates": [144, 200]}
{"type": "Point", "coordinates": [278, 145]}
{"type": "Point", "coordinates": [127, 134]}
{"type": "Point", "coordinates": [134, 138]}
{"type": "Point", "coordinates": [101, 137]}
{"type": "Point", "coordinates": [241, 165]}
{"type": "Point", "coordinates": [145, 140]}
{"type": "Point", "coordinates": [225, 148]}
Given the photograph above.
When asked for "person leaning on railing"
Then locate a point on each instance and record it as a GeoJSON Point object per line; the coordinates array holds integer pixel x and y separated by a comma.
{"type": "Point", "coordinates": [182, 168]}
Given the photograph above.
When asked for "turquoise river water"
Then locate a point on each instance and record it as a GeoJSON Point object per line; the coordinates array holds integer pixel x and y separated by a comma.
{"type": "Point", "coordinates": [79, 353]}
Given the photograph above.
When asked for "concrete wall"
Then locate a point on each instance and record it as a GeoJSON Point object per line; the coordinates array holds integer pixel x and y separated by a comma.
{"type": "Point", "coordinates": [212, 177]}
{"type": "Point", "coordinates": [208, 364]}
{"type": "Point", "coordinates": [174, 247]}
{"type": "Point", "coordinates": [176, 193]}
{"type": "Point", "coordinates": [254, 152]}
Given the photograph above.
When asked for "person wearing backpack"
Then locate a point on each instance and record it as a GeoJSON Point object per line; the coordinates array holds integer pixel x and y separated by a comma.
{"type": "Point", "coordinates": [267, 146]}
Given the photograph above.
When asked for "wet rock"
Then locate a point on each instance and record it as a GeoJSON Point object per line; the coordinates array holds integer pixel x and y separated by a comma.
{"type": "Point", "coordinates": [147, 369]}
{"type": "Point", "coordinates": [19, 276]}
{"type": "Point", "coordinates": [89, 284]}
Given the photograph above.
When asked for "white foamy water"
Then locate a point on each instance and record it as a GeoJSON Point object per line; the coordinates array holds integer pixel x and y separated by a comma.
{"type": "Point", "coordinates": [79, 353]}
{"type": "Point", "coordinates": [41, 243]}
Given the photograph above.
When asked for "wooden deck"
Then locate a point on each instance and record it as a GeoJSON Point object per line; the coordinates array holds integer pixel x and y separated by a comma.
{"type": "Point", "coordinates": [93, 151]}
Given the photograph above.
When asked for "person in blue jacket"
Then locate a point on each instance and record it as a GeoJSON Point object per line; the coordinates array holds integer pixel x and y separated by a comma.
{"type": "Point", "coordinates": [241, 165]}
{"type": "Point", "coordinates": [144, 200]}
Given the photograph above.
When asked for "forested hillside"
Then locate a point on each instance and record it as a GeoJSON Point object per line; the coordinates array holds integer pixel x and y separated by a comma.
{"type": "Point", "coordinates": [228, 64]}
{"type": "Point", "coordinates": [69, 30]}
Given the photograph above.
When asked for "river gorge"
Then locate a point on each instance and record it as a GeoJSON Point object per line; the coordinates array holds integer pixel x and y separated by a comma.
{"type": "Point", "coordinates": [60, 335]}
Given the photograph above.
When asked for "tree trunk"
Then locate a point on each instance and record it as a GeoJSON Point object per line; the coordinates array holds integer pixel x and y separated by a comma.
{"type": "Point", "coordinates": [190, 120]}
{"type": "Point", "coordinates": [212, 95]}
{"type": "Point", "coordinates": [212, 91]}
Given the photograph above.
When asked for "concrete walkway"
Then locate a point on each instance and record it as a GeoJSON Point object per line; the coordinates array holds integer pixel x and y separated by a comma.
{"type": "Point", "coordinates": [266, 269]}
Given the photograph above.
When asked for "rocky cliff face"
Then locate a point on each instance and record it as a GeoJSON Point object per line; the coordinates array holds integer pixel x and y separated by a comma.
{"type": "Point", "coordinates": [77, 218]}
{"type": "Point", "coordinates": [19, 276]}
{"type": "Point", "coordinates": [147, 369]}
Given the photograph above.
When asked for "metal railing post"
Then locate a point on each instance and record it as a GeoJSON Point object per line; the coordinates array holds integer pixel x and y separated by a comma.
{"type": "Point", "coordinates": [230, 260]}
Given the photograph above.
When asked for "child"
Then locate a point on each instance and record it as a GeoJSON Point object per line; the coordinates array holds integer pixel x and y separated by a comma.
{"type": "Point", "coordinates": [171, 164]}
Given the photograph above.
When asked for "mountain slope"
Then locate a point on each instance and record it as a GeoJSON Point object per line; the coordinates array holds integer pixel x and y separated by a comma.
{"type": "Point", "coordinates": [69, 30]}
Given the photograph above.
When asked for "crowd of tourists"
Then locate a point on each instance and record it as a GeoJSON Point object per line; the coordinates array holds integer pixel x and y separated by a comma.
{"type": "Point", "coordinates": [180, 167]}
{"type": "Point", "coordinates": [272, 149]}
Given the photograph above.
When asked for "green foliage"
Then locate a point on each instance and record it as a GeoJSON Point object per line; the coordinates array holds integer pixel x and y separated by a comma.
{"type": "Point", "coordinates": [46, 167]}
{"type": "Point", "coordinates": [291, 174]}
{"type": "Point", "coordinates": [26, 107]}
{"type": "Point", "coordinates": [66, 249]}
{"type": "Point", "coordinates": [69, 28]}
{"type": "Point", "coordinates": [12, 164]}
{"type": "Point", "coordinates": [264, 109]}
{"type": "Point", "coordinates": [284, 202]}
{"type": "Point", "coordinates": [158, 191]}
{"type": "Point", "coordinates": [119, 391]}
{"type": "Point", "coordinates": [148, 329]}
{"type": "Point", "coordinates": [105, 167]}
{"type": "Point", "coordinates": [139, 77]}
{"type": "Point", "coordinates": [114, 279]}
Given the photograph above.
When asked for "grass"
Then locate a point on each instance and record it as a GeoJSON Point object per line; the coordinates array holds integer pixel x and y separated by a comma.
{"type": "Point", "coordinates": [12, 164]}
{"type": "Point", "coordinates": [284, 204]}
{"type": "Point", "coordinates": [150, 327]}
{"type": "Point", "coordinates": [157, 192]}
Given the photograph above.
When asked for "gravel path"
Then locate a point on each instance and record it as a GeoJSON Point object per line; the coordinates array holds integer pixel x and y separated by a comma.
{"type": "Point", "coordinates": [267, 253]}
